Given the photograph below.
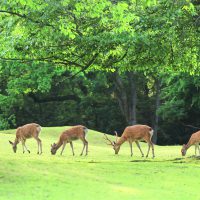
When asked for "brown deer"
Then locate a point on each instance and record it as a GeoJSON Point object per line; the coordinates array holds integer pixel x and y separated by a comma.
{"type": "Point", "coordinates": [194, 140]}
{"type": "Point", "coordinates": [74, 133]}
{"type": "Point", "coordinates": [132, 134]}
{"type": "Point", "coordinates": [25, 132]}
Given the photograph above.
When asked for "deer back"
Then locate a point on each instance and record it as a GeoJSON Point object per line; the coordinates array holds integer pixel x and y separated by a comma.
{"type": "Point", "coordinates": [74, 133]}
{"type": "Point", "coordinates": [137, 132]}
{"type": "Point", "coordinates": [28, 131]}
{"type": "Point", "coordinates": [195, 138]}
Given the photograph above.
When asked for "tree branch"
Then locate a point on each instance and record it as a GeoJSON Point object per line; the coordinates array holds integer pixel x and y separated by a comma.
{"type": "Point", "coordinates": [56, 60]}
{"type": "Point", "coordinates": [193, 127]}
{"type": "Point", "coordinates": [25, 17]}
{"type": "Point", "coordinates": [54, 98]}
{"type": "Point", "coordinates": [50, 59]}
{"type": "Point", "coordinates": [86, 66]}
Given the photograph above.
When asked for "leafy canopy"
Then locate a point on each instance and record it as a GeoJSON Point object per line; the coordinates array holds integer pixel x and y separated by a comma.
{"type": "Point", "coordinates": [102, 35]}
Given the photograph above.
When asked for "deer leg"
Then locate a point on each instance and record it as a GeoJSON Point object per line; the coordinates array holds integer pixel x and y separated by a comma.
{"type": "Point", "coordinates": [27, 148]}
{"type": "Point", "coordinates": [138, 145]}
{"type": "Point", "coordinates": [71, 144]}
{"type": "Point", "coordinates": [39, 142]}
{"type": "Point", "coordinates": [85, 144]}
{"type": "Point", "coordinates": [196, 149]}
{"type": "Point", "coordinates": [82, 149]}
{"type": "Point", "coordinates": [199, 149]}
{"type": "Point", "coordinates": [152, 147]}
{"type": "Point", "coordinates": [23, 145]}
{"type": "Point", "coordinates": [148, 150]}
{"type": "Point", "coordinates": [131, 147]}
{"type": "Point", "coordinates": [63, 147]}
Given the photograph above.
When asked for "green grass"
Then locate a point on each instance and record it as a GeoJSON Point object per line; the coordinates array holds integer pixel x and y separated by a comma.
{"type": "Point", "coordinates": [100, 175]}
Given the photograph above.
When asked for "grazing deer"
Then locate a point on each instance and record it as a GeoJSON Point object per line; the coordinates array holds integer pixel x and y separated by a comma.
{"type": "Point", "coordinates": [194, 140]}
{"type": "Point", "coordinates": [132, 134]}
{"type": "Point", "coordinates": [74, 133]}
{"type": "Point", "coordinates": [25, 132]}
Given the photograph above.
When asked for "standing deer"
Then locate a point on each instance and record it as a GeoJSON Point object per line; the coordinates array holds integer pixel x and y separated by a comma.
{"type": "Point", "coordinates": [74, 133]}
{"type": "Point", "coordinates": [25, 132]}
{"type": "Point", "coordinates": [132, 134]}
{"type": "Point", "coordinates": [194, 140]}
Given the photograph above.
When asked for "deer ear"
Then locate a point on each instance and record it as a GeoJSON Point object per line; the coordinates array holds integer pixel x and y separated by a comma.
{"type": "Point", "coordinates": [10, 142]}
{"type": "Point", "coordinates": [51, 145]}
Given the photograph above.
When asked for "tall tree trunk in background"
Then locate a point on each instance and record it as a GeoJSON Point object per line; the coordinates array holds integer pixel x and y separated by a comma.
{"type": "Point", "coordinates": [126, 98]}
{"type": "Point", "coordinates": [157, 105]}
{"type": "Point", "coordinates": [133, 99]}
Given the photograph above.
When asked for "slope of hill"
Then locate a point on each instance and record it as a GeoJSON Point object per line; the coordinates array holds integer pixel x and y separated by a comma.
{"type": "Point", "coordinates": [100, 175]}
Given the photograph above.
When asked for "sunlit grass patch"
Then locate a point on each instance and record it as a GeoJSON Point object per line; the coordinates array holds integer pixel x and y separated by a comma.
{"type": "Point", "coordinates": [100, 175]}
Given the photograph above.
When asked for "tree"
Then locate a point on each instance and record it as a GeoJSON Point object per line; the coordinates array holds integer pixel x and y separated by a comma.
{"type": "Point", "coordinates": [60, 40]}
{"type": "Point", "coordinates": [126, 95]}
{"type": "Point", "coordinates": [98, 34]}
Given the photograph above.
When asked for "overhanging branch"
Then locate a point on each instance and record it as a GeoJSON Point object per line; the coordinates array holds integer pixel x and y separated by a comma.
{"type": "Point", "coordinates": [192, 126]}
{"type": "Point", "coordinates": [25, 17]}
{"type": "Point", "coordinates": [86, 66]}
{"type": "Point", "coordinates": [54, 98]}
{"type": "Point", "coordinates": [50, 59]}
{"type": "Point", "coordinates": [56, 60]}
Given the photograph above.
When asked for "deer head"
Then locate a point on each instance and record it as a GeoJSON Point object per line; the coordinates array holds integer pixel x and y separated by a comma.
{"type": "Point", "coordinates": [14, 146]}
{"type": "Point", "coordinates": [183, 150]}
{"type": "Point", "coordinates": [53, 149]}
{"type": "Point", "coordinates": [114, 144]}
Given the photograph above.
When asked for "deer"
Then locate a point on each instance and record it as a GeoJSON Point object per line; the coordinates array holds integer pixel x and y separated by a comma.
{"type": "Point", "coordinates": [69, 135]}
{"type": "Point", "coordinates": [132, 134]}
{"type": "Point", "coordinates": [27, 131]}
{"type": "Point", "coordinates": [194, 140]}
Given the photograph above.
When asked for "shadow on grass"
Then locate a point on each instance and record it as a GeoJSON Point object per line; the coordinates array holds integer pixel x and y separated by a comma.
{"type": "Point", "coordinates": [179, 160]}
{"type": "Point", "coordinates": [194, 157]}
{"type": "Point", "coordinates": [175, 160]}
{"type": "Point", "coordinates": [92, 161]}
{"type": "Point", "coordinates": [185, 160]}
{"type": "Point", "coordinates": [143, 161]}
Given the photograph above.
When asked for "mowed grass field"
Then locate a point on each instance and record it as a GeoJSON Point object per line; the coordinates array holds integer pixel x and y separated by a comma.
{"type": "Point", "coordinates": [100, 175]}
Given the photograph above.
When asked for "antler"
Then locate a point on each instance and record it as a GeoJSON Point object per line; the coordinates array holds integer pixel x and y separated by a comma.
{"type": "Point", "coordinates": [106, 138]}
{"type": "Point", "coordinates": [116, 136]}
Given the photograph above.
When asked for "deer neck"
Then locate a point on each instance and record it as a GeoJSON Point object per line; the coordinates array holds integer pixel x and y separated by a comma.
{"type": "Point", "coordinates": [58, 145]}
{"type": "Point", "coordinates": [16, 141]}
{"type": "Point", "coordinates": [189, 144]}
{"type": "Point", "coordinates": [120, 141]}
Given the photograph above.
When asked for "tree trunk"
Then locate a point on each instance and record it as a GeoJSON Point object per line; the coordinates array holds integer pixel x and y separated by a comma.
{"type": "Point", "coordinates": [157, 105]}
{"type": "Point", "coordinates": [126, 96]}
{"type": "Point", "coordinates": [133, 99]}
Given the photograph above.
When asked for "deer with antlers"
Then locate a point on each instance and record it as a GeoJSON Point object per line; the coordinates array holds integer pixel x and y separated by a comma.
{"type": "Point", "coordinates": [25, 132]}
{"type": "Point", "coordinates": [74, 133]}
{"type": "Point", "coordinates": [132, 134]}
{"type": "Point", "coordinates": [194, 140]}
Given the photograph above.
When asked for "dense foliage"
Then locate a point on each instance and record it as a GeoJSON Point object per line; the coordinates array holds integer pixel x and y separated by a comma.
{"type": "Point", "coordinates": [105, 64]}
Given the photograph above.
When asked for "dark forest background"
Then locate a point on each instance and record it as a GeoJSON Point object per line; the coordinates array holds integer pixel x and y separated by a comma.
{"type": "Point", "coordinates": [112, 101]}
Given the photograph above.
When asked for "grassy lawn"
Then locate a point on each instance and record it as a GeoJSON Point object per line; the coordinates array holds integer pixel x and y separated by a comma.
{"type": "Point", "coordinates": [100, 175]}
